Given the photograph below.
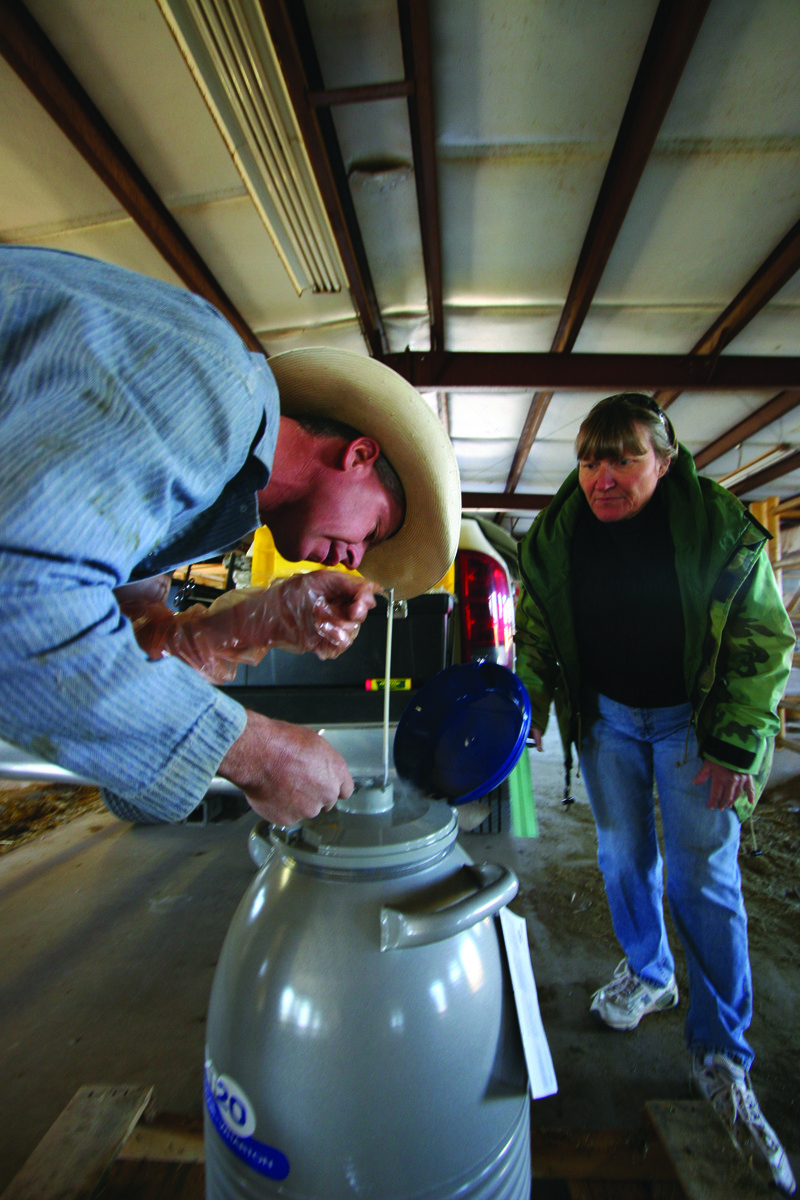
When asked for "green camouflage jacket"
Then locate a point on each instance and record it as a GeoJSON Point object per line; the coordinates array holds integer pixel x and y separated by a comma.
{"type": "Point", "coordinates": [739, 639]}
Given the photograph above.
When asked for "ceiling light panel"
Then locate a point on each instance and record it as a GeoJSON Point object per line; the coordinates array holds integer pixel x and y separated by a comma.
{"type": "Point", "coordinates": [756, 465]}
{"type": "Point", "coordinates": [228, 49]}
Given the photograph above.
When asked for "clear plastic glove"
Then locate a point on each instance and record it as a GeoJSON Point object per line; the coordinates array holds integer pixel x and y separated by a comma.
{"type": "Point", "coordinates": [144, 604]}
{"type": "Point", "coordinates": [153, 623]}
{"type": "Point", "coordinates": [320, 612]}
{"type": "Point", "coordinates": [134, 598]}
{"type": "Point", "coordinates": [287, 772]}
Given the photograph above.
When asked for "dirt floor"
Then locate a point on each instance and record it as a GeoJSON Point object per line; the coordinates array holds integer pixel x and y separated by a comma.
{"type": "Point", "coordinates": [604, 1078]}
{"type": "Point", "coordinates": [28, 810]}
{"type": "Point", "coordinates": [770, 864]}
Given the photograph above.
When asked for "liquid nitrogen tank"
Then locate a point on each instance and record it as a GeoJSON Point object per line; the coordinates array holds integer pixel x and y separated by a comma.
{"type": "Point", "coordinates": [362, 1038]}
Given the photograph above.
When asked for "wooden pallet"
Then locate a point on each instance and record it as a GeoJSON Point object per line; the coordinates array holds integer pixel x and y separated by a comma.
{"type": "Point", "coordinates": [789, 714]}
{"type": "Point", "coordinates": [681, 1151]}
{"type": "Point", "coordinates": [109, 1145]}
{"type": "Point", "coordinates": [99, 1147]}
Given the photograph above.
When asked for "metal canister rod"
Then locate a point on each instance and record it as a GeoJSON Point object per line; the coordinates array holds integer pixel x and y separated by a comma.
{"type": "Point", "coordinates": [387, 686]}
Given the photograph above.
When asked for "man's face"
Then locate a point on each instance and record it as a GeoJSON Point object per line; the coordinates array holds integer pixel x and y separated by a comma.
{"type": "Point", "coordinates": [618, 488]}
{"type": "Point", "coordinates": [346, 514]}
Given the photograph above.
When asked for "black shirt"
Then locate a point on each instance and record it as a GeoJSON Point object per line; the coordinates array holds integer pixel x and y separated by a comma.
{"type": "Point", "coordinates": [627, 608]}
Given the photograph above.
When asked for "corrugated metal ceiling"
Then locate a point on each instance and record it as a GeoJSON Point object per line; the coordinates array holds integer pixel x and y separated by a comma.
{"type": "Point", "coordinates": [488, 205]}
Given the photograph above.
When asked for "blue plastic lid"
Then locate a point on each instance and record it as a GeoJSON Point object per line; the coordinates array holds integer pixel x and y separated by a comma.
{"type": "Point", "coordinates": [463, 732]}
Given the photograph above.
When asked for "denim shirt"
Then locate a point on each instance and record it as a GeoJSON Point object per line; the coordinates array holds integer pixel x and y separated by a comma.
{"type": "Point", "coordinates": [135, 429]}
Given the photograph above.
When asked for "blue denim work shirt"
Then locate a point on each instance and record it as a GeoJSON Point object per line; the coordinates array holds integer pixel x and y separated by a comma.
{"type": "Point", "coordinates": [135, 429]}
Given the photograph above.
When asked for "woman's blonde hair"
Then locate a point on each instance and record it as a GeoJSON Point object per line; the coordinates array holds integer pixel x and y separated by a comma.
{"type": "Point", "coordinates": [613, 429]}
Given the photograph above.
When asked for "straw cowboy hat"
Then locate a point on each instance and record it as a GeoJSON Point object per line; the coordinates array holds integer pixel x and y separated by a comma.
{"type": "Point", "coordinates": [375, 400]}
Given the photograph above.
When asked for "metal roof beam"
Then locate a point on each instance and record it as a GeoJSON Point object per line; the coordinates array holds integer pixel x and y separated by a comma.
{"type": "Point", "coordinates": [415, 36]}
{"type": "Point", "coordinates": [40, 67]}
{"type": "Point", "coordinates": [504, 501]}
{"type": "Point", "coordinates": [774, 272]}
{"type": "Point", "coordinates": [365, 93]}
{"type": "Point", "coordinates": [470, 371]}
{"type": "Point", "coordinates": [294, 45]}
{"type": "Point", "coordinates": [675, 27]}
{"type": "Point", "coordinates": [771, 411]}
{"type": "Point", "coordinates": [762, 478]}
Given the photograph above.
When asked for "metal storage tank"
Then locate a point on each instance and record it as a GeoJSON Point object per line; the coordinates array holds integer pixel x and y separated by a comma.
{"type": "Point", "coordinates": [362, 1036]}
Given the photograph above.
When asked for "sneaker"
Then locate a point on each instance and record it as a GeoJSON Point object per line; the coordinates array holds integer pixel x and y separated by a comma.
{"type": "Point", "coordinates": [623, 1002]}
{"type": "Point", "coordinates": [727, 1085]}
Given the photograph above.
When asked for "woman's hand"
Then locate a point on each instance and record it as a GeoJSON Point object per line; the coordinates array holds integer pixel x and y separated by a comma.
{"type": "Point", "coordinates": [726, 785]}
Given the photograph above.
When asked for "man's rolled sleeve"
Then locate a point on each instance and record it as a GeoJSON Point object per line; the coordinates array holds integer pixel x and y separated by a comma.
{"type": "Point", "coordinates": [187, 770]}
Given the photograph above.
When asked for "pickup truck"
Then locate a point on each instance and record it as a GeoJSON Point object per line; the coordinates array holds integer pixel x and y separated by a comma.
{"type": "Point", "coordinates": [468, 616]}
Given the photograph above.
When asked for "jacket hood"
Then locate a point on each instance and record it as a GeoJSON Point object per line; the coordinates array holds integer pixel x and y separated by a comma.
{"type": "Point", "coordinates": [711, 521]}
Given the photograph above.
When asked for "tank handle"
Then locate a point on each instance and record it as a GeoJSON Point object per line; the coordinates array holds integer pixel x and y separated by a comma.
{"type": "Point", "coordinates": [259, 846]}
{"type": "Point", "coordinates": [399, 930]}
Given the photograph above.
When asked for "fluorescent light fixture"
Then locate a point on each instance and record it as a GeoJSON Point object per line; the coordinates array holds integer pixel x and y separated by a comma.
{"type": "Point", "coordinates": [227, 47]}
{"type": "Point", "coordinates": [756, 464]}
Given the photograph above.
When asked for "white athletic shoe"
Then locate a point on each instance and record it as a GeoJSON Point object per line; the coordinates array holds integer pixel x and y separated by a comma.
{"type": "Point", "coordinates": [623, 1002]}
{"type": "Point", "coordinates": [727, 1085]}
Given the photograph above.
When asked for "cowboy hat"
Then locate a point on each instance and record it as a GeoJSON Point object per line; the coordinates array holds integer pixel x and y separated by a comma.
{"type": "Point", "coordinates": [375, 400]}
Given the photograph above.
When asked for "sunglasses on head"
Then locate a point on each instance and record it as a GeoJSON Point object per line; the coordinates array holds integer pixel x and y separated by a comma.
{"type": "Point", "coordinates": [648, 403]}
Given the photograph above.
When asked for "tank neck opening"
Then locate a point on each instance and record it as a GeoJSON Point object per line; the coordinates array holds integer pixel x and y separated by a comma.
{"type": "Point", "coordinates": [369, 796]}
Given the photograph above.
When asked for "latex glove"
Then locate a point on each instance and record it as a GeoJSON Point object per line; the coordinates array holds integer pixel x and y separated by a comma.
{"type": "Point", "coordinates": [153, 623]}
{"type": "Point", "coordinates": [287, 772]}
{"type": "Point", "coordinates": [726, 785]}
{"type": "Point", "coordinates": [134, 598]}
{"type": "Point", "coordinates": [144, 604]}
{"type": "Point", "coordinates": [321, 612]}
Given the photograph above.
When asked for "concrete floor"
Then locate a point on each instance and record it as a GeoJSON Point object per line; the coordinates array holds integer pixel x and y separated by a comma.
{"type": "Point", "coordinates": [110, 936]}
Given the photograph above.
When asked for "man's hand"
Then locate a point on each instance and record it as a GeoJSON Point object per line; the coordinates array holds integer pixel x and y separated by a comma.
{"type": "Point", "coordinates": [135, 596]}
{"type": "Point", "coordinates": [726, 785]}
{"type": "Point", "coordinates": [536, 734]}
{"type": "Point", "coordinates": [322, 611]}
{"type": "Point", "coordinates": [319, 612]}
{"type": "Point", "coordinates": [287, 772]}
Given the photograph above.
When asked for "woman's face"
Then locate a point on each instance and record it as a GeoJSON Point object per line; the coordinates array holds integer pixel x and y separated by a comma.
{"type": "Point", "coordinates": [619, 488]}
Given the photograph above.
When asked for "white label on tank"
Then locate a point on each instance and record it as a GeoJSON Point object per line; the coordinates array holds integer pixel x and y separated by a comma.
{"type": "Point", "coordinates": [534, 1040]}
{"type": "Point", "coordinates": [234, 1119]}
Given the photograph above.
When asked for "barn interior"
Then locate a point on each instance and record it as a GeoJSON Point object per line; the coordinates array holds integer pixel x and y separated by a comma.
{"type": "Point", "coordinates": [521, 206]}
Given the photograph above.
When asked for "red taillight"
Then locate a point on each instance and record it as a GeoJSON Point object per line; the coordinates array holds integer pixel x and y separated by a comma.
{"type": "Point", "coordinates": [487, 609]}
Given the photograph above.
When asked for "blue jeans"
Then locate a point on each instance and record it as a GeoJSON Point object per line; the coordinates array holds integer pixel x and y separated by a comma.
{"type": "Point", "coordinates": [624, 752]}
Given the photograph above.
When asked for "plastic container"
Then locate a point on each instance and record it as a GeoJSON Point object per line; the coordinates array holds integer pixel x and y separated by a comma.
{"type": "Point", "coordinates": [464, 731]}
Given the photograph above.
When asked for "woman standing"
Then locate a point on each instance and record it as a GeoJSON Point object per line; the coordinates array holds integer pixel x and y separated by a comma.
{"type": "Point", "coordinates": [651, 616]}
